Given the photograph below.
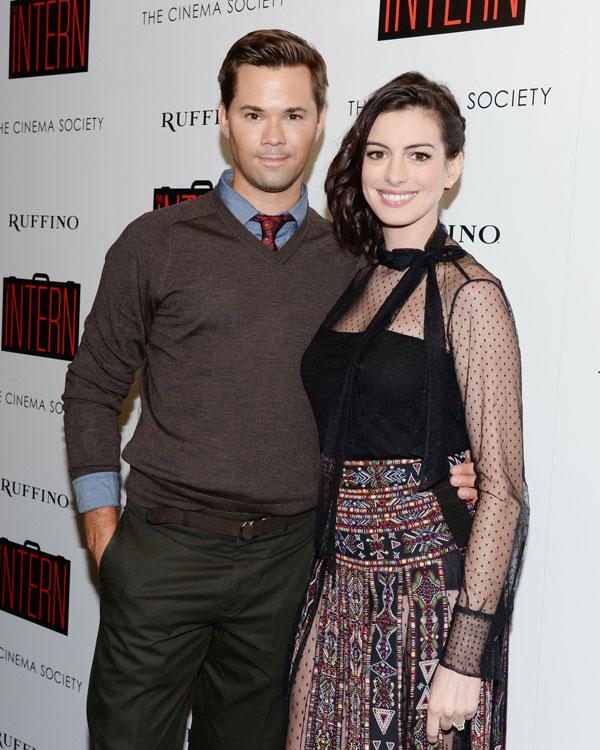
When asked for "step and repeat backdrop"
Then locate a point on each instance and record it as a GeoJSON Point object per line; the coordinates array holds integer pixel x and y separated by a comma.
{"type": "Point", "coordinates": [109, 109]}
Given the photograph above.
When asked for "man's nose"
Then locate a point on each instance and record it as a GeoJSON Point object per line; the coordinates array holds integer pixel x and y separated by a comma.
{"type": "Point", "coordinates": [273, 133]}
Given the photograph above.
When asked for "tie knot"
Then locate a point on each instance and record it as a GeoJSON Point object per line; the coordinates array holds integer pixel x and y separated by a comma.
{"type": "Point", "coordinates": [436, 251]}
{"type": "Point", "coordinates": [398, 259]}
{"type": "Point", "coordinates": [270, 226]}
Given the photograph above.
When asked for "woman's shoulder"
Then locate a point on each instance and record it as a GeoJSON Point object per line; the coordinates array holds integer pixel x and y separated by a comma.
{"type": "Point", "coordinates": [468, 284]}
{"type": "Point", "coordinates": [470, 269]}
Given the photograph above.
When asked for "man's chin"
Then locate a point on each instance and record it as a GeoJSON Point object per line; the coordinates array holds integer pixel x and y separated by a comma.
{"type": "Point", "coordinates": [274, 183]}
{"type": "Point", "coordinates": [278, 188]}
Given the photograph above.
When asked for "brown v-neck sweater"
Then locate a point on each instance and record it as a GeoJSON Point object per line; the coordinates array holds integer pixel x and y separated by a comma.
{"type": "Point", "coordinates": [218, 325]}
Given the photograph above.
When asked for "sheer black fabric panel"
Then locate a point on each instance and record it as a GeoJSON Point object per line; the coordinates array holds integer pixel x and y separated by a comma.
{"type": "Point", "coordinates": [433, 368]}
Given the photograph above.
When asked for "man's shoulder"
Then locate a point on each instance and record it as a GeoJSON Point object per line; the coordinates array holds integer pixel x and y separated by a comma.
{"type": "Point", "coordinates": [320, 228]}
{"type": "Point", "coordinates": [147, 238]}
{"type": "Point", "coordinates": [321, 232]}
{"type": "Point", "coordinates": [163, 220]}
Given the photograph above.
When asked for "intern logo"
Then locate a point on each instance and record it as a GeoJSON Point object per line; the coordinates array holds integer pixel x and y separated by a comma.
{"type": "Point", "coordinates": [168, 196]}
{"type": "Point", "coordinates": [40, 317]}
{"type": "Point", "coordinates": [399, 19]}
{"type": "Point", "coordinates": [34, 585]}
{"type": "Point", "coordinates": [48, 37]}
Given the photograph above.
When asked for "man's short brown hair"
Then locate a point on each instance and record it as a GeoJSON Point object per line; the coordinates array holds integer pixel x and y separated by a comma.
{"type": "Point", "coordinates": [272, 48]}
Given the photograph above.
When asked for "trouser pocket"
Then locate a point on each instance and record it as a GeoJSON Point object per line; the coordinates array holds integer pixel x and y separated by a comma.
{"type": "Point", "coordinates": [108, 550]}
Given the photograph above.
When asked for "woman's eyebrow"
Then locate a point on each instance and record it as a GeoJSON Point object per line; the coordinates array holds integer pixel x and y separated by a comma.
{"type": "Point", "coordinates": [412, 145]}
{"type": "Point", "coordinates": [420, 145]}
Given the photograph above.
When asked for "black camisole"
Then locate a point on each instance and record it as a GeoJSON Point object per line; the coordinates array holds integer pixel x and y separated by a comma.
{"type": "Point", "coordinates": [387, 396]}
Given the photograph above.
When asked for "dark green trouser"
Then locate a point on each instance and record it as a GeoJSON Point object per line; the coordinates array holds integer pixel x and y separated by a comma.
{"type": "Point", "coordinates": [176, 603]}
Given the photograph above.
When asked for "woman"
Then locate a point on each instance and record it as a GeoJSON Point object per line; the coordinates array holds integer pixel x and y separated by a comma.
{"type": "Point", "coordinates": [403, 633]}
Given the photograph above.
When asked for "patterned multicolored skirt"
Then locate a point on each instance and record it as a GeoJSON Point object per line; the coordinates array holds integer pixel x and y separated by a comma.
{"type": "Point", "coordinates": [370, 637]}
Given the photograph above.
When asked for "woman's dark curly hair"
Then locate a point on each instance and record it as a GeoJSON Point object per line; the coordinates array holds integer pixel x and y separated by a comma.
{"type": "Point", "coordinates": [356, 226]}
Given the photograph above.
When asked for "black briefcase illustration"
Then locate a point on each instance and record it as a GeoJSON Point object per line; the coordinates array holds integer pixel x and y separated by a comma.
{"type": "Point", "coordinates": [166, 196]}
{"type": "Point", "coordinates": [40, 317]}
{"type": "Point", "coordinates": [35, 585]}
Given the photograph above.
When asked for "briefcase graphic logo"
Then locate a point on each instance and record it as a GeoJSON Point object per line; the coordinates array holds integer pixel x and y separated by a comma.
{"type": "Point", "coordinates": [166, 196]}
{"type": "Point", "coordinates": [48, 37]}
{"type": "Point", "coordinates": [399, 19]}
{"type": "Point", "coordinates": [34, 585]}
{"type": "Point", "coordinates": [40, 317]}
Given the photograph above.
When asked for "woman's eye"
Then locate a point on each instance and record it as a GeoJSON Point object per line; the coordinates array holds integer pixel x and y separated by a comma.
{"type": "Point", "coordinates": [375, 155]}
{"type": "Point", "coordinates": [421, 156]}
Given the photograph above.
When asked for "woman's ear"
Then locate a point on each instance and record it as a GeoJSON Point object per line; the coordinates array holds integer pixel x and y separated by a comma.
{"type": "Point", "coordinates": [453, 170]}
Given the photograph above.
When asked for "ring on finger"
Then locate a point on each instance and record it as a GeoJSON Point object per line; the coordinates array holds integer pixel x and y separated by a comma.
{"type": "Point", "coordinates": [459, 727]}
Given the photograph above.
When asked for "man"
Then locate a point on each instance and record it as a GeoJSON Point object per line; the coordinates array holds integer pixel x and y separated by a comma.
{"type": "Point", "coordinates": [215, 300]}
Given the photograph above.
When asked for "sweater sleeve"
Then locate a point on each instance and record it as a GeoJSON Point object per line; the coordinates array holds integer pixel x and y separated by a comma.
{"type": "Point", "coordinates": [112, 348]}
{"type": "Point", "coordinates": [487, 361]}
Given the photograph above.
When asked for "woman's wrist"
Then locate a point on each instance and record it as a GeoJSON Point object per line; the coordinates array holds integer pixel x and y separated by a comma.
{"type": "Point", "coordinates": [448, 665]}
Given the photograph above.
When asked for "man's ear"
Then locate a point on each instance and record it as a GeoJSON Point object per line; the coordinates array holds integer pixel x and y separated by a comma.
{"type": "Point", "coordinates": [223, 120]}
{"type": "Point", "coordinates": [321, 121]}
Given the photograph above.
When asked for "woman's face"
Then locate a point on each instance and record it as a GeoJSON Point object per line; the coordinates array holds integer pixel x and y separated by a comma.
{"type": "Point", "coordinates": [404, 173]}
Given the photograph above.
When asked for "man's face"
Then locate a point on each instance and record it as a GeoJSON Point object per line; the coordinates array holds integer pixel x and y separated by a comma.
{"type": "Point", "coordinates": [272, 125]}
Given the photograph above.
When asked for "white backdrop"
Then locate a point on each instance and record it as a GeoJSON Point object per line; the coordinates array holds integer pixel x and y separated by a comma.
{"type": "Point", "coordinates": [529, 93]}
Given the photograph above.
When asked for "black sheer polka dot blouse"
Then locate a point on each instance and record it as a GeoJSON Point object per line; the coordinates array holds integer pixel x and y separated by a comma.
{"type": "Point", "coordinates": [420, 358]}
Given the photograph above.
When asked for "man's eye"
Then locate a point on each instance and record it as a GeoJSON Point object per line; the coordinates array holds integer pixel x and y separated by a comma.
{"type": "Point", "coordinates": [252, 116]}
{"type": "Point", "coordinates": [295, 116]}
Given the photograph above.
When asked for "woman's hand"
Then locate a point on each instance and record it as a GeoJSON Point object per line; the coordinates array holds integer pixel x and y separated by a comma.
{"type": "Point", "coordinates": [463, 476]}
{"type": "Point", "coordinates": [454, 699]}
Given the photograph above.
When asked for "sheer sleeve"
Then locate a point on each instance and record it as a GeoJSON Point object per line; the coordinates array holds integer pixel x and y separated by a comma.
{"type": "Point", "coordinates": [484, 344]}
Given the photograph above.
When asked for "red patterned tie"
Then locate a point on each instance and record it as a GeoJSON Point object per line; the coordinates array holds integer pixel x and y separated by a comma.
{"type": "Point", "coordinates": [270, 225]}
